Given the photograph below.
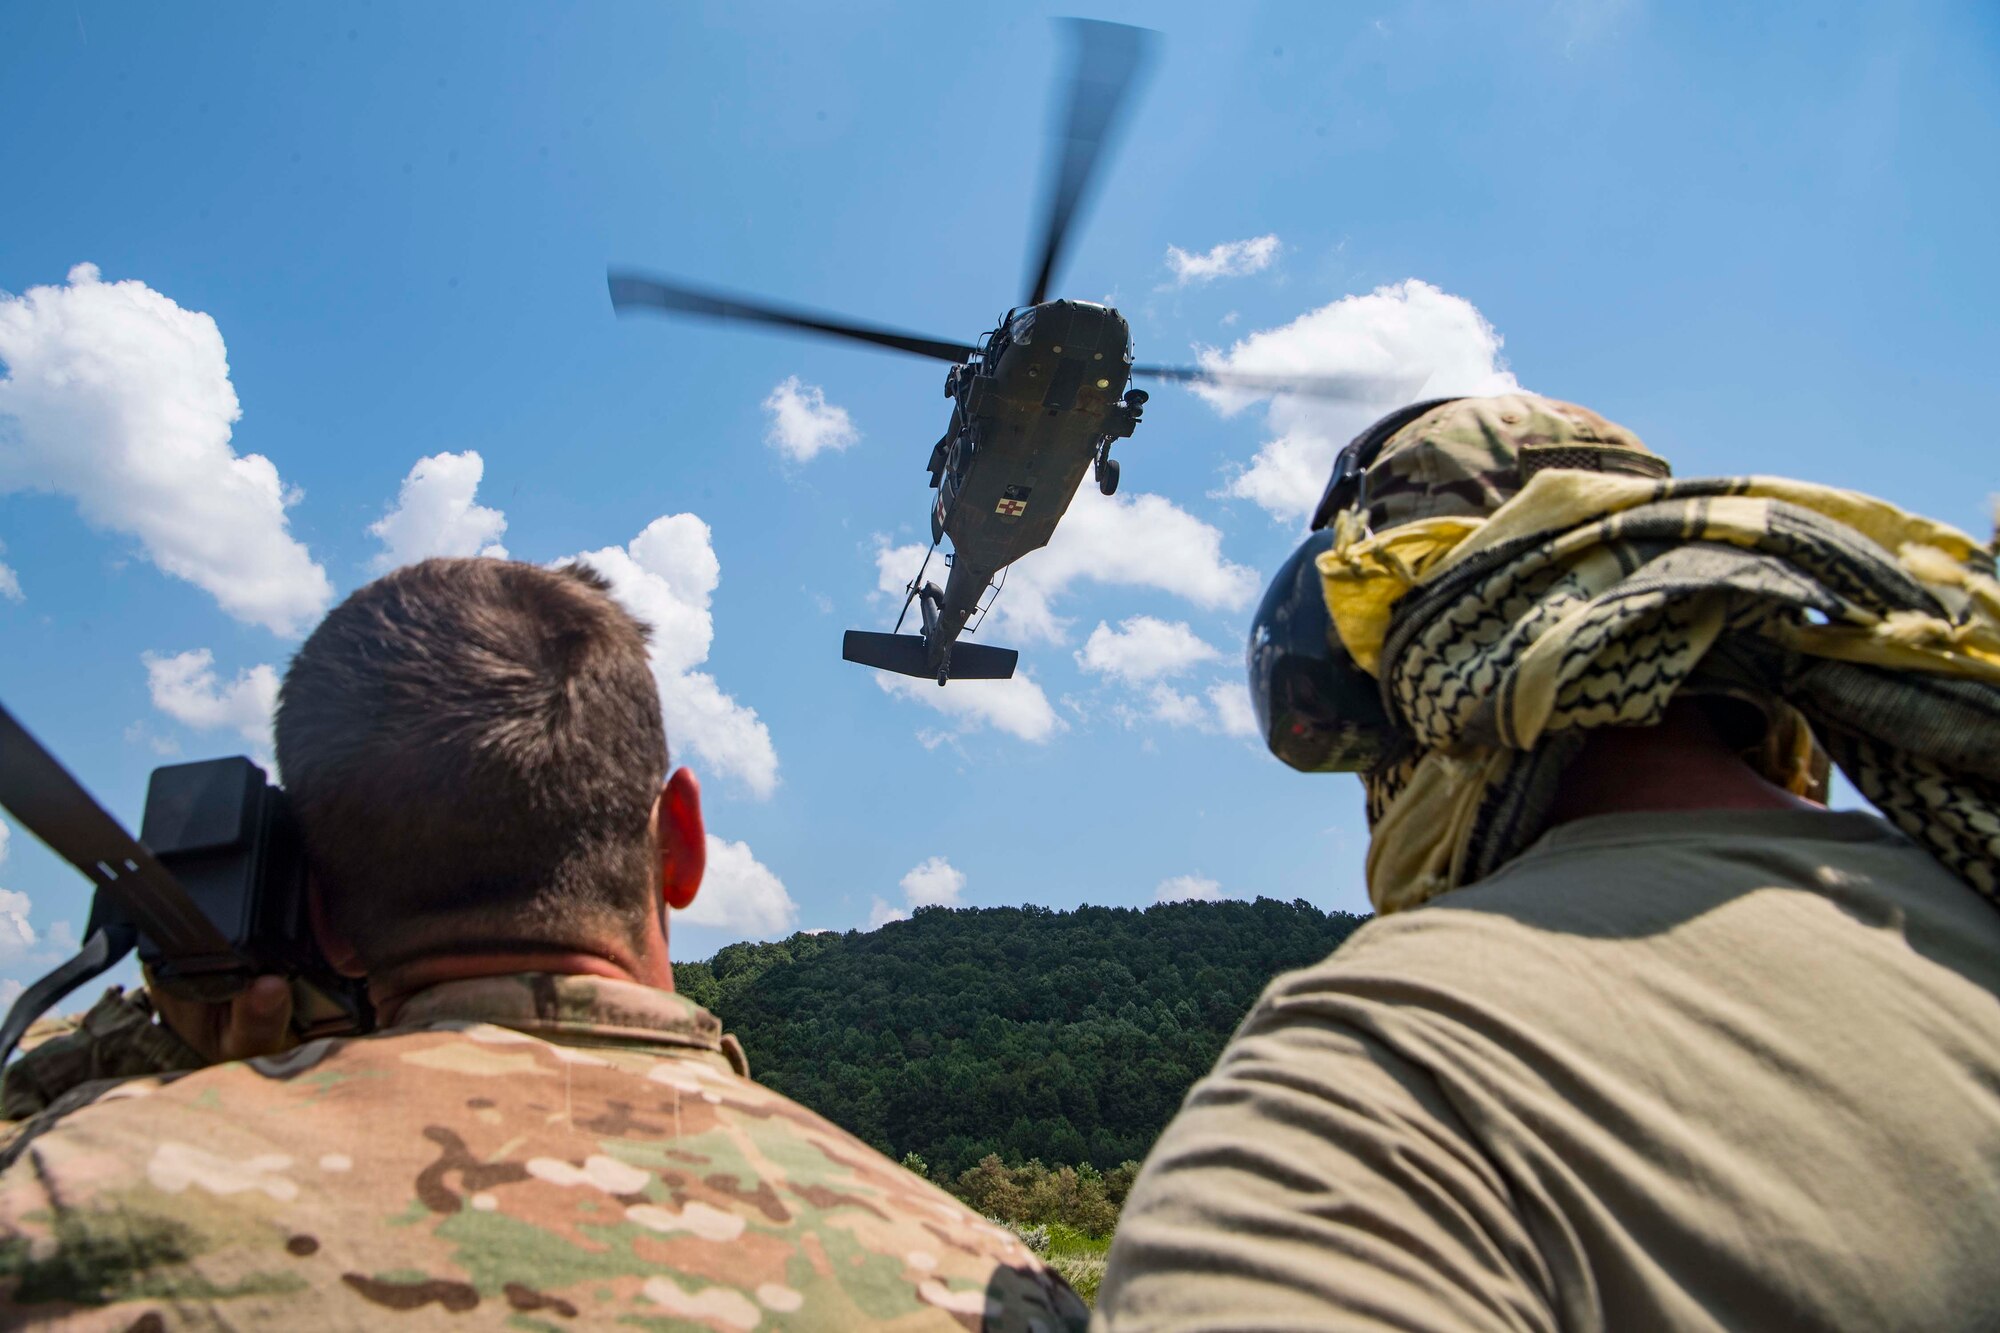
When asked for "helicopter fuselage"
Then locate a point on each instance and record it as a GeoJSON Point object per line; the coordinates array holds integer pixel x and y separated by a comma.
{"type": "Point", "coordinates": [1041, 403]}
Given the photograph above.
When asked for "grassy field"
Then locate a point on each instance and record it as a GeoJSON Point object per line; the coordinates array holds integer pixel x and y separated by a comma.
{"type": "Point", "coordinates": [1077, 1256]}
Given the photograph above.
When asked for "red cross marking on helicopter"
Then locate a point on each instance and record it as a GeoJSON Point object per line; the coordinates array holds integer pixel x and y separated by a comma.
{"type": "Point", "coordinates": [1011, 508]}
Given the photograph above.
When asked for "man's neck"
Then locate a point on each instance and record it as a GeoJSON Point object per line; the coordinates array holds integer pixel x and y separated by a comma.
{"type": "Point", "coordinates": [1681, 764]}
{"type": "Point", "coordinates": [391, 988]}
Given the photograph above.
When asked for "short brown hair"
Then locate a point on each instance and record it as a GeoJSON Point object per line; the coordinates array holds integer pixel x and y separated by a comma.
{"type": "Point", "coordinates": [473, 749]}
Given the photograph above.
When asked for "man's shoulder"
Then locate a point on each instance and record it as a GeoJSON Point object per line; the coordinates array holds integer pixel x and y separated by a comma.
{"type": "Point", "coordinates": [115, 1039]}
{"type": "Point", "coordinates": [1633, 874]}
{"type": "Point", "coordinates": [1648, 904]}
{"type": "Point", "coordinates": [468, 1164]}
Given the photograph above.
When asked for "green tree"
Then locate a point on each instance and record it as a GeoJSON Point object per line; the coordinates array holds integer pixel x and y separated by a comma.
{"type": "Point", "coordinates": [1072, 1196]}
{"type": "Point", "coordinates": [1118, 1183]}
{"type": "Point", "coordinates": [1014, 1034]}
{"type": "Point", "coordinates": [989, 1188]}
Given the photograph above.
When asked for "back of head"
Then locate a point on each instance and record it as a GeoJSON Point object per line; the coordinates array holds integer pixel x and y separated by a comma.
{"type": "Point", "coordinates": [473, 749]}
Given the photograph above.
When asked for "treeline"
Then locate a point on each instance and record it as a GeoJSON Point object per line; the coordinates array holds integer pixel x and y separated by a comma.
{"type": "Point", "coordinates": [1066, 1215]}
{"type": "Point", "coordinates": [1021, 1035]}
{"type": "Point", "coordinates": [1031, 1195]}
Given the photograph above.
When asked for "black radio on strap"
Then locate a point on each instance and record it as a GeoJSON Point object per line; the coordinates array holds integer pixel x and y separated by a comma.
{"type": "Point", "coordinates": [135, 894]}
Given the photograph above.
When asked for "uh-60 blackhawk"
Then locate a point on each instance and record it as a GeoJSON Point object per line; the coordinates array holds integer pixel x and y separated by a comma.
{"type": "Point", "coordinates": [1035, 402]}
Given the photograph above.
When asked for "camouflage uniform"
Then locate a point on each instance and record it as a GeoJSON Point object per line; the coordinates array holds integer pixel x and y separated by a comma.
{"type": "Point", "coordinates": [116, 1039]}
{"type": "Point", "coordinates": [527, 1151]}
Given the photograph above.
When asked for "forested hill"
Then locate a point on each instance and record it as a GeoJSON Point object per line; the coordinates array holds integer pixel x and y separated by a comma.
{"type": "Point", "coordinates": [1068, 1037]}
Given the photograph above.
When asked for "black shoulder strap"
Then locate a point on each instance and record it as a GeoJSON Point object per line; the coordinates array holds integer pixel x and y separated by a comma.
{"type": "Point", "coordinates": [135, 893]}
{"type": "Point", "coordinates": [106, 945]}
{"type": "Point", "coordinates": [51, 804]}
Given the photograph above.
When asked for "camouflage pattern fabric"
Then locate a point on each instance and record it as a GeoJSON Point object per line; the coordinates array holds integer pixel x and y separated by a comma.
{"type": "Point", "coordinates": [116, 1039]}
{"type": "Point", "coordinates": [1472, 455]}
{"type": "Point", "coordinates": [528, 1152]}
{"type": "Point", "coordinates": [1536, 575]}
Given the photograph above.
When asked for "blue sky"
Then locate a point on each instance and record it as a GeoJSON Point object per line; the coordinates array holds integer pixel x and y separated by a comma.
{"type": "Point", "coordinates": [1759, 235]}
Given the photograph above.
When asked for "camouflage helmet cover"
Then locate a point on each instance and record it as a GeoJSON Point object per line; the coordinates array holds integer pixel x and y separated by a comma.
{"type": "Point", "coordinates": [1469, 456]}
{"type": "Point", "coordinates": [1317, 710]}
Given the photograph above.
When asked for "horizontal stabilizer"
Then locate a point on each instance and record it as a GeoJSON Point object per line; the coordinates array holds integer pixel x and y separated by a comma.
{"type": "Point", "coordinates": [906, 655]}
{"type": "Point", "coordinates": [979, 661]}
{"type": "Point", "coordinates": [901, 653]}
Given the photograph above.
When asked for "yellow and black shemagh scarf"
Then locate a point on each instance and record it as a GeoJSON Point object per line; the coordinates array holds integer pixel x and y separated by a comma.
{"type": "Point", "coordinates": [1590, 600]}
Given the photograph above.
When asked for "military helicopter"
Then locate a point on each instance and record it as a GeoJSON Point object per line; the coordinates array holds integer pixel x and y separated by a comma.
{"type": "Point", "coordinates": [1036, 401]}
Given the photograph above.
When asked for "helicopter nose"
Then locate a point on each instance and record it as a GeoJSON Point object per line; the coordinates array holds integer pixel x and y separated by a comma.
{"type": "Point", "coordinates": [1083, 330]}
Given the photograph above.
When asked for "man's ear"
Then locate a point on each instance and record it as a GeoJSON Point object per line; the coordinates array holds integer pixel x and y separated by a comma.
{"type": "Point", "coordinates": [682, 838]}
{"type": "Point", "coordinates": [339, 950]}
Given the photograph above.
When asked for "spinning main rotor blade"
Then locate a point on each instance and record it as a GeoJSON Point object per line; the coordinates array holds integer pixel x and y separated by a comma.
{"type": "Point", "coordinates": [632, 291]}
{"type": "Point", "coordinates": [1109, 57]}
{"type": "Point", "coordinates": [1356, 387]}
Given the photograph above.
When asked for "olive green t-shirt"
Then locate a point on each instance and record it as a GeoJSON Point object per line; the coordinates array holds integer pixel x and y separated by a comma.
{"type": "Point", "coordinates": [1728, 1069]}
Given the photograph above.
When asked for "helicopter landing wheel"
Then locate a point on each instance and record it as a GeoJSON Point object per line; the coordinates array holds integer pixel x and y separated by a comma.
{"type": "Point", "coordinates": [941, 677]}
{"type": "Point", "coordinates": [1107, 476]}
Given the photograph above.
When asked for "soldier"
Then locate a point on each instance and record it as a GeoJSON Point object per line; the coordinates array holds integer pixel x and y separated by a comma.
{"type": "Point", "coordinates": [540, 1134]}
{"type": "Point", "coordinates": [1643, 1037]}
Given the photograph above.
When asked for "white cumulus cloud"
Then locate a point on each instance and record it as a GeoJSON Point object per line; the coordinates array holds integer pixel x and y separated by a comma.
{"type": "Point", "coordinates": [1016, 706]}
{"type": "Point", "coordinates": [17, 937]}
{"type": "Point", "coordinates": [1188, 888]}
{"type": "Point", "coordinates": [1142, 649]}
{"type": "Point", "coordinates": [435, 514]}
{"type": "Point", "coordinates": [1167, 704]}
{"type": "Point", "coordinates": [1143, 652]}
{"type": "Point", "coordinates": [934, 883]}
{"type": "Point", "coordinates": [1223, 709]}
{"type": "Point", "coordinates": [804, 424]}
{"type": "Point", "coordinates": [666, 576]}
{"type": "Point", "coordinates": [121, 400]}
{"type": "Point", "coordinates": [1143, 541]}
{"type": "Point", "coordinates": [1410, 334]}
{"type": "Point", "coordinates": [894, 567]}
{"type": "Point", "coordinates": [10, 582]}
{"type": "Point", "coordinates": [1231, 259]}
{"type": "Point", "coordinates": [1230, 702]}
{"type": "Point", "coordinates": [186, 688]}
{"type": "Point", "coordinates": [741, 894]}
